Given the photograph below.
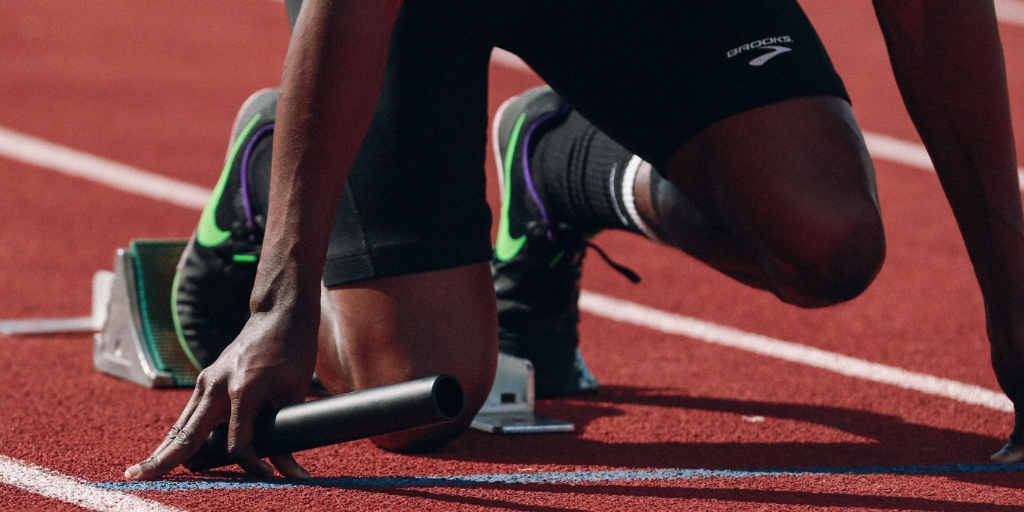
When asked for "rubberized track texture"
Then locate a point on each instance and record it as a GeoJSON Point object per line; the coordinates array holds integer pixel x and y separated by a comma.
{"type": "Point", "coordinates": [114, 119]}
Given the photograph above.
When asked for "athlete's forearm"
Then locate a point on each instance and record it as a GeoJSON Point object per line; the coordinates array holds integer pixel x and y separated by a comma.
{"type": "Point", "coordinates": [331, 82]}
{"type": "Point", "coordinates": [948, 62]}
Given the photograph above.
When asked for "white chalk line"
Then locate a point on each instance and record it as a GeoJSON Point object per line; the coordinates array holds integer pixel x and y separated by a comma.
{"type": "Point", "coordinates": [49, 483]}
{"type": "Point", "coordinates": [1010, 11]}
{"type": "Point", "coordinates": [42, 153]}
{"type": "Point", "coordinates": [670, 323]}
{"type": "Point", "coordinates": [911, 154]}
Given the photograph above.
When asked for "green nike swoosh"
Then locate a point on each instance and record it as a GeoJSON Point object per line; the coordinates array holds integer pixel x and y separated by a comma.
{"type": "Point", "coordinates": [209, 234]}
{"type": "Point", "coordinates": [506, 247]}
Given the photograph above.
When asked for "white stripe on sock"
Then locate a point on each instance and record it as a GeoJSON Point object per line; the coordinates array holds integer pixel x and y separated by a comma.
{"type": "Point", "coordinates": [629, 200]}
{"type": "Point", "coordinates": [615, 201]}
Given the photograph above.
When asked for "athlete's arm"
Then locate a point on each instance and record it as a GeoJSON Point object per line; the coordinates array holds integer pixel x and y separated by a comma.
{"type": "Point", "coordinates": [331, 83]}
{"type": "Point", "coordinates": [948, 62]}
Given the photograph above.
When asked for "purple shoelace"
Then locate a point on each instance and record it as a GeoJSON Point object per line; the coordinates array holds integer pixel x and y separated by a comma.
{"type": "Point", "coordinates": [528, 174]}
{"type": "Point", "coordinates": [249, 216]}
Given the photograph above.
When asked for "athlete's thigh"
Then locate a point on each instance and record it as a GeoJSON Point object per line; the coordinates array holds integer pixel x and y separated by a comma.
{"type": "Point", "coordinates": [415, 200]}
{"type": "Point", "coordinates": [793, 179]}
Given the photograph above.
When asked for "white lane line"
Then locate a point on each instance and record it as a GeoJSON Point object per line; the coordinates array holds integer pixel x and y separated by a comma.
{"type": "Point", "coordinates": [636, 314]}
{"type": "Point", "coordinates": [1010, 11]}
{"type": "Point", "coordinates": [900, 151]}
{"type": "Point", "coordinates": [52, 484]}
{"type": "Point", "coordinates": [884, 147]}
{"type": "Point", "coordinates": [41, 153]}
{"type": "Point", "coordinates": [508, 59]}
{"type": "Point", "coordinates": [47, 325]}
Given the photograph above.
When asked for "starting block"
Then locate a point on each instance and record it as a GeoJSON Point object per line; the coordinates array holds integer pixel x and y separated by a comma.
{"type": "Point", "coordinates": [509, 408]}
{"type": "Point", "coordinates": [137, 341]}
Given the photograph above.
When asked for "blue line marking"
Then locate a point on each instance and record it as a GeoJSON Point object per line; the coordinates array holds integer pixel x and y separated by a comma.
{"type": "Point", "coordinates": [629, 475]}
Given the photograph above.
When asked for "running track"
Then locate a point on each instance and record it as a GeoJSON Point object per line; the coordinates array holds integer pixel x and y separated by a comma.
{"type": "Point", "coordinates": [715, 396]}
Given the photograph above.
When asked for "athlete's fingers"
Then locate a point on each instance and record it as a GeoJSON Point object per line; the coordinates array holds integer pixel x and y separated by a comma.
{"type": "Point", "coordinates": [241, 429]}
{"type": "Point", "coordinates": [190, 408]}
{"type": "Point", "coordinates": [183, 443]}
{"type": "Point", "coordinates": [289, 468]}
{"type": "Point", "coordinates": [1010, 453]}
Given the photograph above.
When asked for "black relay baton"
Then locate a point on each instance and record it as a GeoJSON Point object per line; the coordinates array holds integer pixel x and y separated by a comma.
{"type": "Point", "coordinates": [347, 417]}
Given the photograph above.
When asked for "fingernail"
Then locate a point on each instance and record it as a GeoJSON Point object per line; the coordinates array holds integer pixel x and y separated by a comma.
{"type": "Point", "coordinates": [133, 472]}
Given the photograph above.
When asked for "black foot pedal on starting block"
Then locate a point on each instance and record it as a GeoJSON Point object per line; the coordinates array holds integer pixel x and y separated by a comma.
{"type": "Point", "coordinates": [137, 341]}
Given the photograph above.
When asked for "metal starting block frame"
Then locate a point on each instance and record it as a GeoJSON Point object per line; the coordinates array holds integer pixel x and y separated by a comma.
{"type": "Point", "coordinates": [509, 408]}
{"type": "Point", "coordinates": [137, 341]}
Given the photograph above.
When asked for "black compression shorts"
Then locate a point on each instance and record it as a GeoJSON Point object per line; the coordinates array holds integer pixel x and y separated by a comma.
{"type": "Point", "coordinates": [650, 74]}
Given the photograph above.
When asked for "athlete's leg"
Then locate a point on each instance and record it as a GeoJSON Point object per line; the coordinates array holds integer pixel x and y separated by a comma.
{"type": "Point", "coordinates": [780, 197]}
{"type": "Point", "coordinates": [737, 105]}
{"type": "Point", "coordinates": [760, 169]}
{"type": "Point", "coordinates": [783, 197]}
{"type": "Point", "coordinates": [409, 289]}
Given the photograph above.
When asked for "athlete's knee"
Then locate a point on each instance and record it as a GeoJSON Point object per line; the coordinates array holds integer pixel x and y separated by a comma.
{"type": "Point", "coordinates": [475, 370]}
{"type": "Point", "coordinates": [836, 260]}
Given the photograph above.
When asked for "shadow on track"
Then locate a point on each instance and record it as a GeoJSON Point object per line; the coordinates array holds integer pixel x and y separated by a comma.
{"type": "Point", "coordinates": [702, 497]}
{"type": "Point", "coordinates": [888, 440]}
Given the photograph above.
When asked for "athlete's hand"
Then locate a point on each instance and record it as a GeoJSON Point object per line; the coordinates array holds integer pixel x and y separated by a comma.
{"type": "Point", "coordinates": [270, 364]}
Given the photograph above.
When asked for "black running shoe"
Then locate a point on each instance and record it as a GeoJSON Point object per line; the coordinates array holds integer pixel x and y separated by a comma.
{"type": "Point", "coordinates": [218, 267]}
{"type": "Point", "coordinates": [537, 260]}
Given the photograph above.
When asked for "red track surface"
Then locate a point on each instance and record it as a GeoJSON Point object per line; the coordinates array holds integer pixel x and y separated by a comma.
{"type": "Point", "coordinates": [156, 85]}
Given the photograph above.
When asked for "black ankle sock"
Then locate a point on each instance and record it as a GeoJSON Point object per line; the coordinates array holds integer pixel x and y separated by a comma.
{"type": "Point", "coordinates": [580, 172]}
